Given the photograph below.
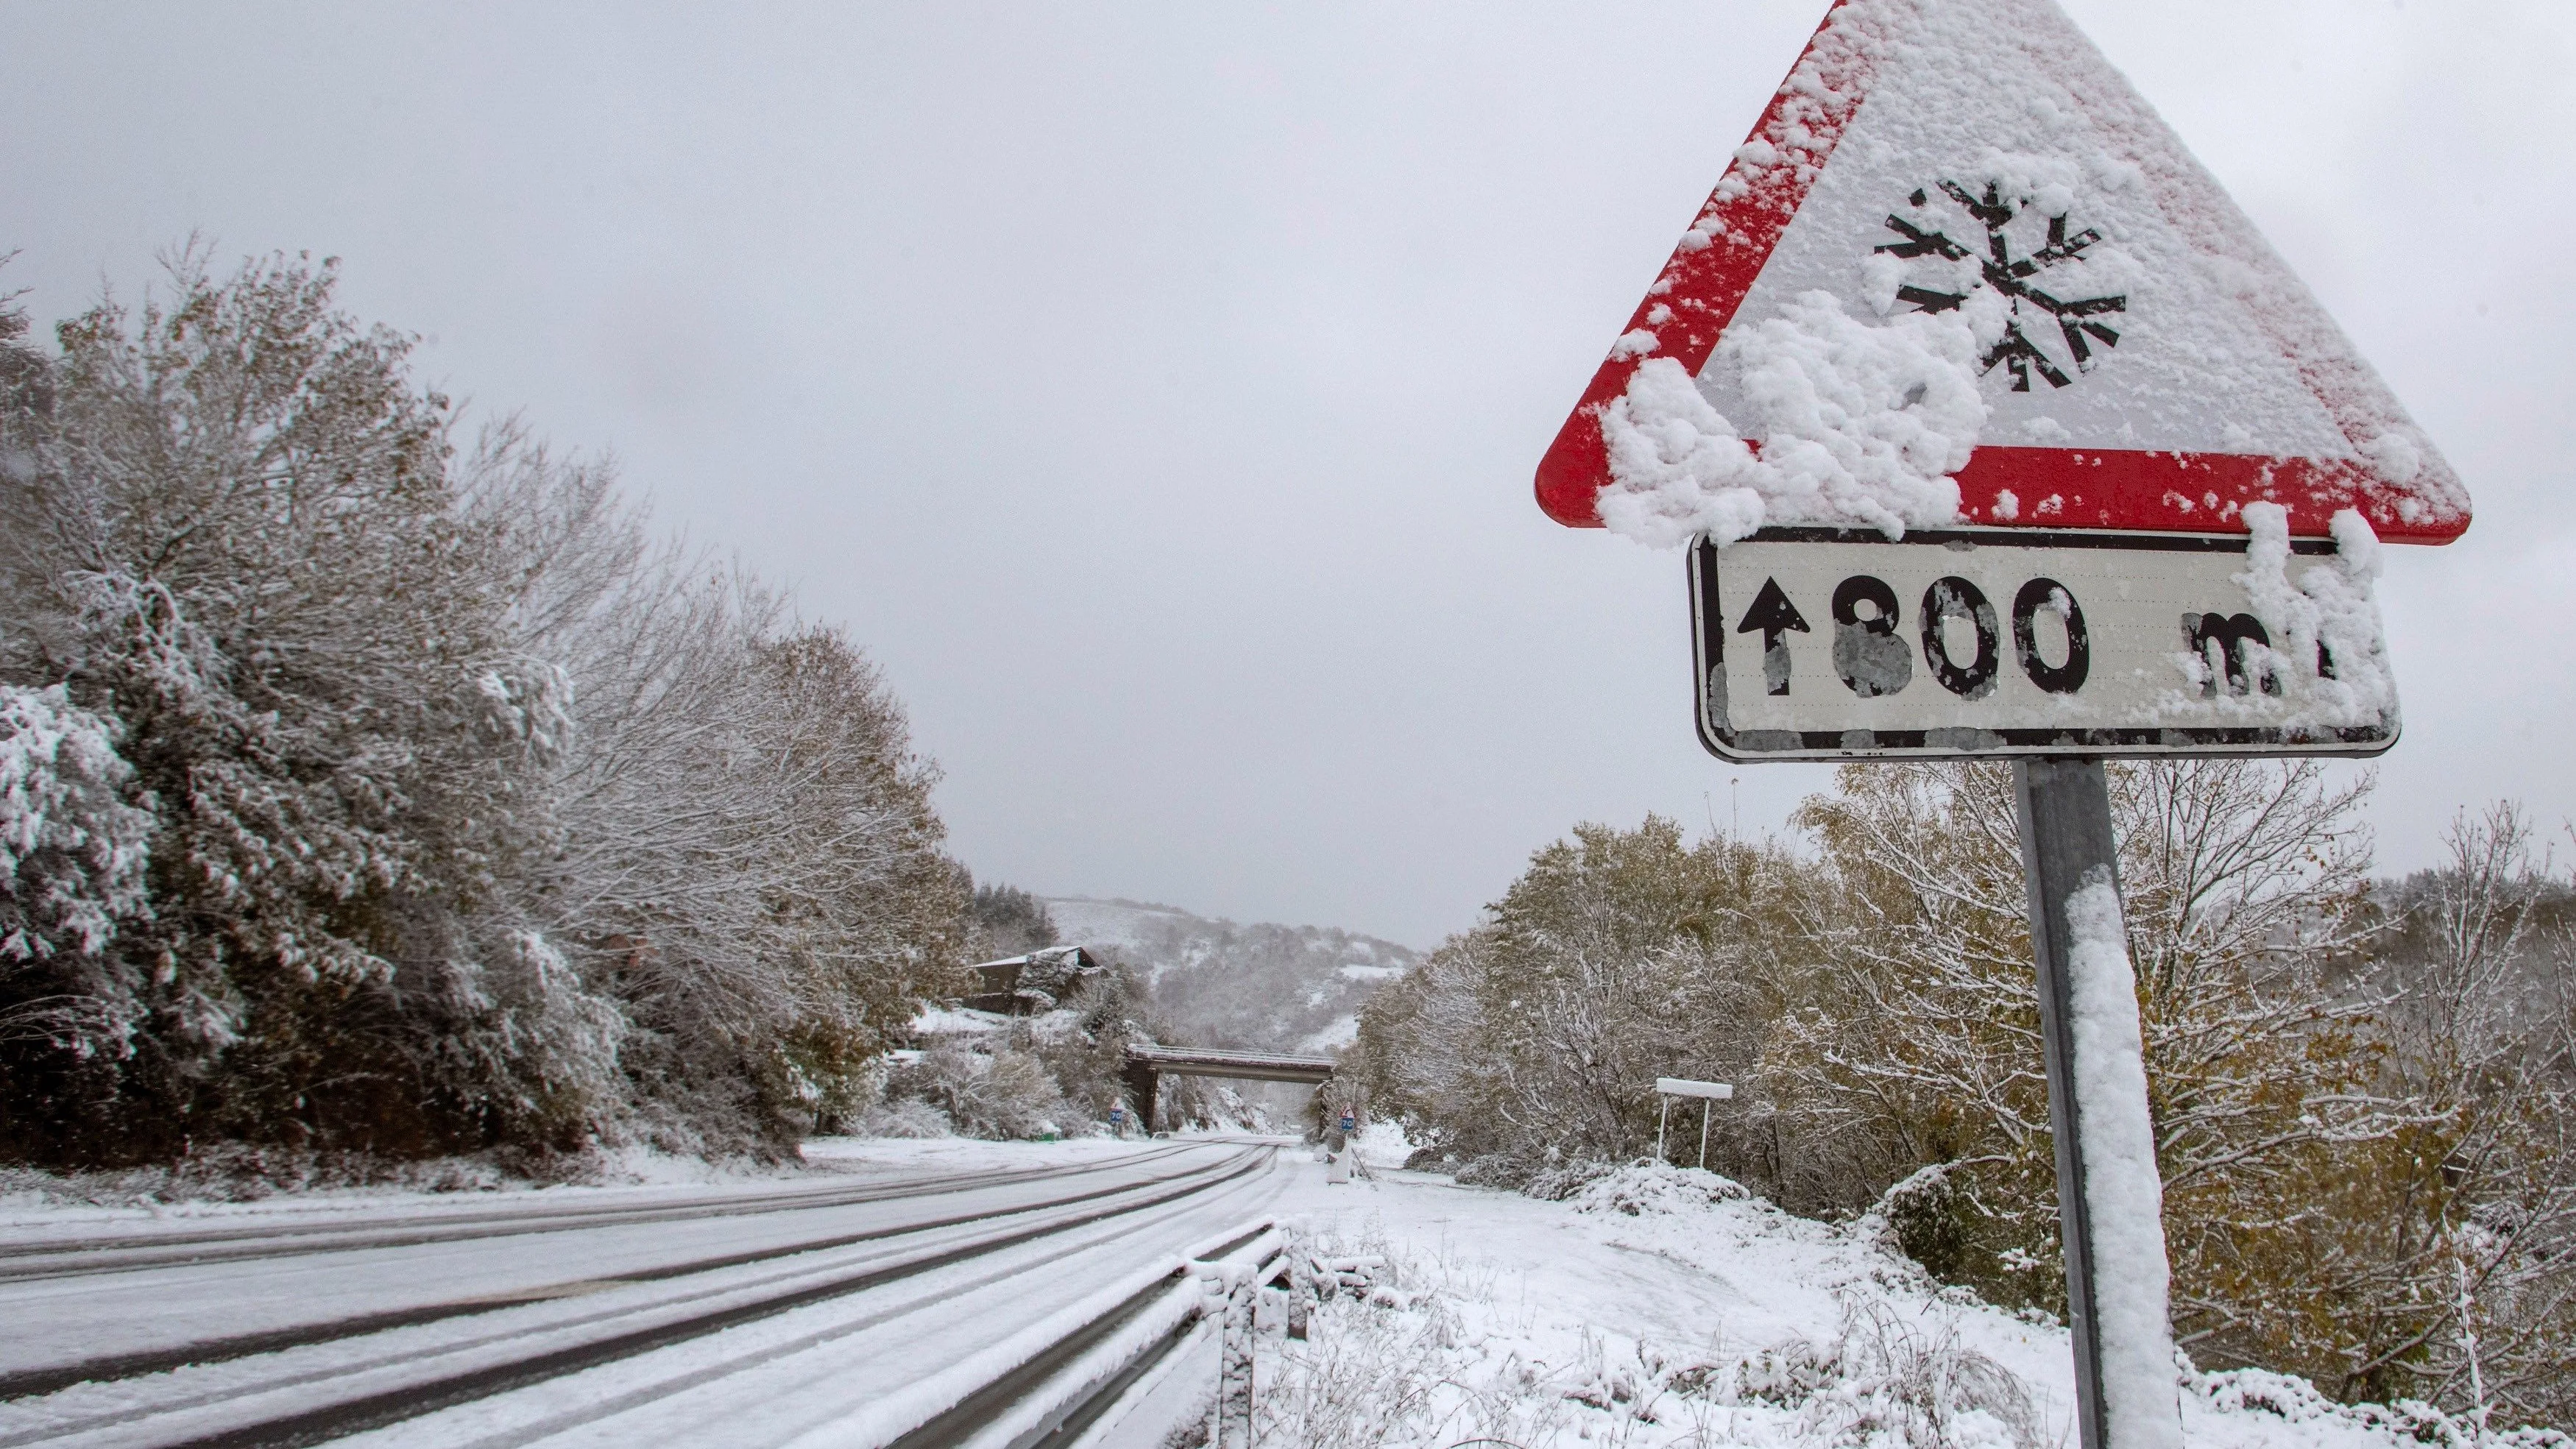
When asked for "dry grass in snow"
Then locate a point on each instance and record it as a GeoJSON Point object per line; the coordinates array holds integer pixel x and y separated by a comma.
{"type": "Point", "coordinates": [1665, 1308]}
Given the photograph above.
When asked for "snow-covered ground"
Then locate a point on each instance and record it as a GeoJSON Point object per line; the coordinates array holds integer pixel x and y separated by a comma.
{"type": "Point", "coordinates": [1664, 1306]}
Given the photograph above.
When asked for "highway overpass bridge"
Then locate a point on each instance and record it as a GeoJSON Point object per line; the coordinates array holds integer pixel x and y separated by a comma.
{"type": "Point", "coordinates": [1149, 1062]}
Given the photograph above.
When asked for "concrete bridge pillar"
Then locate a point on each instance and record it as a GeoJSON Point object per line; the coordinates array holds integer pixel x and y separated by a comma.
{"type": "Point", "coordinates": [1143, 1084]}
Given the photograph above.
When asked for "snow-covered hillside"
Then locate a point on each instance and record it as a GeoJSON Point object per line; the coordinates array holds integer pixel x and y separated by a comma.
{"type": "Point", "coordinates": [1278, 987]}
{"type": "Point", "coordinates": [1660, 1306]}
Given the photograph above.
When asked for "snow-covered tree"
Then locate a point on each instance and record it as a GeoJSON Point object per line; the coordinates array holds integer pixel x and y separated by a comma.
{"type": "Point", "coordinates": [2460, 1229]}
{"type": "Point", "coordinates": [1010, 921]}
{"type": "Point", "coordinates": [476, 816]}
{"type": "Point", "coordinates": [2361, 1096]}
{"type": "Point", "coordinates": [747, 825]}
{"type": "Point", "coordinates": [1915, 1041]}
{"type": "Point", "coordinates": [1617, 957]}
{"type": "Point", "coordinates": [235, 539]}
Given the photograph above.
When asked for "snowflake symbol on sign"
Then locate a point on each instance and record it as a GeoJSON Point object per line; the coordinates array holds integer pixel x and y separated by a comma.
{"type": "Point", "coordinates": [2014, 280]}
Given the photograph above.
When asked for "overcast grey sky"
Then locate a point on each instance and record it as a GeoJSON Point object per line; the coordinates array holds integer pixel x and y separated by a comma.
{"type": "Point", "coordinates": [1155, 389]}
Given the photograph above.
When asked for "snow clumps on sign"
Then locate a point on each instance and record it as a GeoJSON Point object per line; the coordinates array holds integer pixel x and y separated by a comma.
{"type": "Point", "coordinates": [2124, 1193]}
{"type": "Point", "coordinates": [2331, 611]}
{"type": "Point", "coordinates": [1857, 424]}
{"type": "Point", "coordinates": [2320, 662]}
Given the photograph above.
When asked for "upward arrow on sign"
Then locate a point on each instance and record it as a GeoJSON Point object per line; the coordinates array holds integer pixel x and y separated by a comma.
{"type": "Point", "coordinates": [2134, 356]}
{"type": "Point", "coordinates": [1773, 617]}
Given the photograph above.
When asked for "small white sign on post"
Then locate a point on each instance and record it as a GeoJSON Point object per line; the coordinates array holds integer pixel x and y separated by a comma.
{"type": "Point", "coordinates": [1685, 1087]}
{"type": "Point", "coordinates": [1707, 1092]}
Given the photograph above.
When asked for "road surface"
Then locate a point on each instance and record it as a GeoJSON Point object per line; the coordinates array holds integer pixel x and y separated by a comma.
{"type": "Point", "coordinates": [756, 1314]}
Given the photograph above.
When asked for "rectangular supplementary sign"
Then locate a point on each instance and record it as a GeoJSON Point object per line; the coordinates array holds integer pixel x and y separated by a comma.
{"type": "Point", "coordinates": [1685, 1087]}
{"type": "Point", "coordinates": [1840, 644]}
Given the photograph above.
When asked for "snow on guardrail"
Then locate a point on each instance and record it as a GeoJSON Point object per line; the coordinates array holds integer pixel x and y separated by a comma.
{"type": "Point", "coordinates": [1221, 1262]}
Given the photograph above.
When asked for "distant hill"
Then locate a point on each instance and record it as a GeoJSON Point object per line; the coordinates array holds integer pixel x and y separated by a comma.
{"type": "Point", "coordinates": [1280, 988]}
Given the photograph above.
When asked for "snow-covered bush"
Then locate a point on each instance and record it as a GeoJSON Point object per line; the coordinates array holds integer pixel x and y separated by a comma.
{"type": "Point", "coordinates": [2333, 1135]}
{"type": "Point", "coordinates": [232, 1172]}
{"type": "Point", "coordinates": [1800, 1336]}
{"type": "Point", "coordinates": [540, 1047]}
{"type": "Point", "coordinates": [1556, 1184]}
{"type": "Point", "coordinates": [1087, 1056]}
{"type": "Point", "coordinates": [1509, 1172]}
{"type": "Point", "coordinates": [1005, 1094]}
{"type": "Point", "coordinates": [910, 1117]}
{"type": "Point", "coordinates": [1428, 1351]}
{"type": "Point", "coordinates": [2360, 1090]}
{"type": "Point", "coordinates": [1365, 1375]}
{"type": "Point", "coordinates": [1504, 1171]}
{"type": "Point", "coordinates": [1652, 1188]}
{"type": "Point", "coordinates": [2405, 1421]}
{"type": "Point", "coordinates": [743, 817]}
{"type": "Point", "coordinates": [1382, 1361]}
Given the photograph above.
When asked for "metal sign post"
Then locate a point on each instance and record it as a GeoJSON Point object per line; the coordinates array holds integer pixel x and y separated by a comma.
{"type": "Point", "coordinates": [2066, 836]}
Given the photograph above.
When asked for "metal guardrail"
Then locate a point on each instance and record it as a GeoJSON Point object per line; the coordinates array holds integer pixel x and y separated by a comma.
{"type": "Point", "coordinates": [1069, 1379]}
{"type": "Point", "coordinates": [1048, 1385]}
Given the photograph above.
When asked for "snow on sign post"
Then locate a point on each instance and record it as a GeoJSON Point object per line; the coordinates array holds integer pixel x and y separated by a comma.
{"type": "Point", "coordinates": [1994, 431]}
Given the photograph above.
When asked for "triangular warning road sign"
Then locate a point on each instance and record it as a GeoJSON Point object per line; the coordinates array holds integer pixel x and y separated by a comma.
{"type": "Point", "coordinates": [2144, 359]}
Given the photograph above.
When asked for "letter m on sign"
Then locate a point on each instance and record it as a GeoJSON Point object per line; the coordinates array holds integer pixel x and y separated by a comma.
{"type": "Point", "coordinates": [2243, 652]}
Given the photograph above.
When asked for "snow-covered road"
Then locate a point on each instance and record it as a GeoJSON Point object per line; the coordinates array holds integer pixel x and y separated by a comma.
{"type": "Point", "coordinates": [748, 1313]}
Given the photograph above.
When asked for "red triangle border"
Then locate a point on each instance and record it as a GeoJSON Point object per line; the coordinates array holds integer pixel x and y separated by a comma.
{"type": "Point", "coordinates": [1715, 267]}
